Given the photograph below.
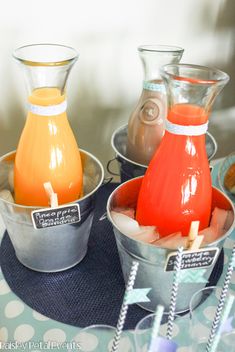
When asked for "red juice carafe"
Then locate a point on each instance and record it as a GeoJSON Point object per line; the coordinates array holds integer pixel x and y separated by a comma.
{"type": "Point", "coordinates": [176, 188]}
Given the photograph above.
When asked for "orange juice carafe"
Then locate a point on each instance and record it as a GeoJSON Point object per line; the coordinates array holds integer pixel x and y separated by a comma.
{"type": "Point", "coordinates": [47, 149]}
{"type": "Point", "coordinates": [176, 188]}
{"type": "Point", "coordinates": [147, 122]}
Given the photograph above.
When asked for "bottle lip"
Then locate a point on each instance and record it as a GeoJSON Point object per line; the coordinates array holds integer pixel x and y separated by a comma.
{"type": "Point", "coordinates": [45, 54]}
{"type": "Point", "coordinates": [194, 74]}
{"type": "Point", "coordinates": [160, 48]}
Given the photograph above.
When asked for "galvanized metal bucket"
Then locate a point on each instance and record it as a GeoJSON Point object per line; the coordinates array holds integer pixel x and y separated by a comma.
{"type": "Point", "coordinates": [56, 248]}
{"type": "Point", "coordinates": [152, 259]}
{"type": "Point", "coordinates": [128, 168]}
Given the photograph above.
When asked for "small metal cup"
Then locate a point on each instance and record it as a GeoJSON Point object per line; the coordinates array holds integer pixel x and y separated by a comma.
{"type": "Point", "coordinates": [152, 259]}
{"type": "Point", "coordinates": [56, 248]}
{"type": "Point", "coordinates": [128, 168]}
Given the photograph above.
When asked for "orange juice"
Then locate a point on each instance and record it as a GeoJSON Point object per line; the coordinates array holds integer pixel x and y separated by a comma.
{"type": "Point", "coordinates": [47, 152]}
{"type": "Point", "coordinates": [176, 188]}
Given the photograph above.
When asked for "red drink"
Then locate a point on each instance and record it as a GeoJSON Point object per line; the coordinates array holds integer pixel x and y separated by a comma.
{"type": "Point", "coordinates": [176, 188]}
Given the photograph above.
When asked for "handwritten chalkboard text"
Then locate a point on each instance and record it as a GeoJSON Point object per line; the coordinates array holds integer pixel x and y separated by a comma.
{"type": "Point", "coordinates": [49, 217]}
{"type": "Point", "coordinates": [202, 258]}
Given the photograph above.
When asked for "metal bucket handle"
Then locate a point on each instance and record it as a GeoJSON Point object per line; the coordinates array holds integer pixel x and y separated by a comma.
{"type": "Point", "coordinates": [106, 181]}
{"type": "Point", "coordinates": [109, 165]}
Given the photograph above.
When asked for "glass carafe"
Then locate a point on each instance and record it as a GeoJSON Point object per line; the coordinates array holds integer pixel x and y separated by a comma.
{"type": "Point", "coordinates": [47, 150]}
{"type": "Point", "coordinates": [177, 188]}
{"type": "Point", "coordinates": [146, 123]}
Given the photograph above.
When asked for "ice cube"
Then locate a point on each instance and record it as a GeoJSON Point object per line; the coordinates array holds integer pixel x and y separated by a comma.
{"type": "Point", "coordinates": [6, 195]}
{"type": "Point", "coordinates": [11, 178]}
{"type": "Point", "coordinates": [126, 225]}
{"type": "Point", "coordinates": [126, 211]}
{"type": "Point", "coordinates": [229, 220]}
{"type": "Point", "coordinates": [211, 234]}
{"type": "Point", "coordinates": [172, 241]}
{"type": "Point", "coordinates": [218, 219]}
{"type": "Point", "coordinates": [221, 221]}
{"type": "Point", "coordinates": [131, 228]}
{"type": "Point", "coordinates": [147, 234]}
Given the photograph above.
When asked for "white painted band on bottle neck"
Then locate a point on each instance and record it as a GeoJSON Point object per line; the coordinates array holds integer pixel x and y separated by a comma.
{"type": "Point", "coordinates": [155, 87]}
{"type": "Point", "coordinates": [50, 110]}
{"type": "Point", "coordinates": [191, 130]}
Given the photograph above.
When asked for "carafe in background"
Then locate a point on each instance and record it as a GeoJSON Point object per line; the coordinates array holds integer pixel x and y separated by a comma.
{"type": "Point", "coordinates": [146, 123]}
{"type": "Point", "coordinates": [176, 188]}
{"type": "Point", "coordinates": [47, 149]}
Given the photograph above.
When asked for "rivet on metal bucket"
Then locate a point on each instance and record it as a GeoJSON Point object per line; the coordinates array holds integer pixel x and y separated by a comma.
{"type": "Point", "coordinates": [128, 168]}
{"type": "Point", "coordinates": [54, 248]}
{"type": "Point", "coordinates": [152, 259]}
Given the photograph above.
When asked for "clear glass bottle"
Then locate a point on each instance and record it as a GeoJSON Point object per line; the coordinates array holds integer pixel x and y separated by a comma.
{"type": "Point", "coordinates": [176, 188]}
{"type": "Point", "coordinates": [47, 149]}
{"type": "Point", "coordinates": [146, 123]}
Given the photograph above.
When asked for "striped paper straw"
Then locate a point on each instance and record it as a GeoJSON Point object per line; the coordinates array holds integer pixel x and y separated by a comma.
{"type": "Point", "coordinates": [124, 307]}
{"type": "Point", "coordinates": [156, 325]}
{"type": "Point", "coordinates": [227, 309]}
{"type": "Point", "coordinates": [222, 298]}
{"type": "Point", "coordinates": [174, 293]}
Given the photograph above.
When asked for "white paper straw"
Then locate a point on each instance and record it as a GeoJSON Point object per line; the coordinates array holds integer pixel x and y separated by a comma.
{"type": "Point", "coordinates": [156, 325]}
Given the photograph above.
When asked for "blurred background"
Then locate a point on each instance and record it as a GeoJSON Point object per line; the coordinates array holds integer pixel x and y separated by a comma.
{"type": "Point", "coordinates": [106, 82]}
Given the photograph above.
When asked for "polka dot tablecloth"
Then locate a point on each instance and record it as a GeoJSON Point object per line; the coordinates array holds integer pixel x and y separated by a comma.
{"type": "Point", "coordinates": [20, 323]}
{"type": "Point", "coordinates": [35, 332]}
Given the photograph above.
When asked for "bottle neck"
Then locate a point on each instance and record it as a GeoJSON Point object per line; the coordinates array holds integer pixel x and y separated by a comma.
{"type": "Point", "coordinates": [154, 86]}
{"type": "Point", "coordinates": [182, 130]}
{"type": "Point", "coordinates": [187, 120]}
{"type": "Point", "coordinates": [47, 102]}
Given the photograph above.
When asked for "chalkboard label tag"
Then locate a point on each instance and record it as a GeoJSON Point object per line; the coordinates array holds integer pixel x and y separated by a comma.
{"type": "Point", "coordinates": [202, 258]}
{"type": "Point", "coordinates": [62, 215]}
